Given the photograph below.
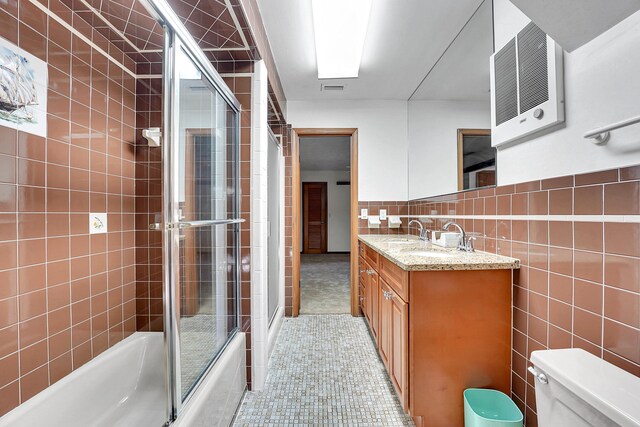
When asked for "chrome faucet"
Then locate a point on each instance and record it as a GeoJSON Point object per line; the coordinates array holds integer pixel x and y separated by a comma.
{"type": "Point", "coordinates": [423, 232]}
{"type": "Point", "coordinates": [465, 243]}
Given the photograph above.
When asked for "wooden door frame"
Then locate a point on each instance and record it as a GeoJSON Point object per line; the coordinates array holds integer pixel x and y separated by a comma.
{"type": "Point", "coordinates": [296, 193]}
{"type": "Point", "coordinates": [305, 216]}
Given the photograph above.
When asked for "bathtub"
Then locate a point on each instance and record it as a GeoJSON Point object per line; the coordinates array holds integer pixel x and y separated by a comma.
{"type": "Point", "coordinates": [124, 386]}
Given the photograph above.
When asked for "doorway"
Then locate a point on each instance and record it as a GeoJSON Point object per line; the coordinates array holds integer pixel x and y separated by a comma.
{"type": "Point", "coordinates": [324, 172]}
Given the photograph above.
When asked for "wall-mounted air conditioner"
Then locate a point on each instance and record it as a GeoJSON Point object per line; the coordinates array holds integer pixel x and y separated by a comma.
{"type": "Point", "coordinates": [527, 91]}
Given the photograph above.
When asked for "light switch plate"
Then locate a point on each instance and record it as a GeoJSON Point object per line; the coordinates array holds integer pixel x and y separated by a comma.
{"type": "Point", "coordinates": [383, 214]}
{"type": "Point", "coordinates": [364, 213]}
{"type": "Point", "coordinates": [97, 223]}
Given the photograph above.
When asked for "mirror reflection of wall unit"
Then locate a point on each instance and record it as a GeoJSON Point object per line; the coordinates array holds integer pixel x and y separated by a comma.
{"type": "Point", "coordinates": [527, 90]}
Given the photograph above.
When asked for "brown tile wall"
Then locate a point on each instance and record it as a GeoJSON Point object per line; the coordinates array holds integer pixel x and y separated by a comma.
{"type": "Point", "coordinates": [393, 208]}
{"type": "Point", "coordinates": [65, 295]}
{"type": "Point", "coordinates": [149, 307]}
{"type": "Point", "coordinates": [285, 131]}
{"type": "Point", "coordinates": [579, 285]}
{"type": "Point", "coordinates": [241, 87]}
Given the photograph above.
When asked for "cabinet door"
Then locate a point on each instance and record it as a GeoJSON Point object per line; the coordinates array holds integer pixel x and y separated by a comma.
{"type": "Point", "coordinates": [374, 290]}
{"type": "Point", "coordinates": [363, 277]}
{"type": "Point", "coordinates": [384, 334]}
{"type": "Point", "coordinates": [366, 301]}
{"type": "Point", "coordinates": [399, 371]}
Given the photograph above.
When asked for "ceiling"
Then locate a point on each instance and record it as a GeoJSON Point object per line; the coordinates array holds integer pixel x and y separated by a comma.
{"type": "Point", "coordinates": [462, 74]}
{"type": "Point", "coordinates": [404, 40]}
{"type": "Point", "coordinates": [325, 153]}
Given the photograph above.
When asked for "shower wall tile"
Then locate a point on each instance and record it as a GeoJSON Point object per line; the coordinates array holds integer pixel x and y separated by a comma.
{"type": "Point", "coordinates": [65, 295]}
{"type": "Point", "coordinates": [579, 285]}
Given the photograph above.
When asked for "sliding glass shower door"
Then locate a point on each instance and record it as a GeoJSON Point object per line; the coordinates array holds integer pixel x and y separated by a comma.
{"type": "Point", "coordinates": [201, 220]}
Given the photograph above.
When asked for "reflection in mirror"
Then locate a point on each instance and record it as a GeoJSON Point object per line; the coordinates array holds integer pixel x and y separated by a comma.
{"type": "Point", "coordinates": [476, 159]}
{"type": "Point", "coordinates": [454, 96]}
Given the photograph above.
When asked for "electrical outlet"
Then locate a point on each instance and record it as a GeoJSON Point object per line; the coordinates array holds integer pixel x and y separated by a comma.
{"type": "Point", "coordinates": [364, 213]}
{"type": "Point", "coordinates": [383, 214]}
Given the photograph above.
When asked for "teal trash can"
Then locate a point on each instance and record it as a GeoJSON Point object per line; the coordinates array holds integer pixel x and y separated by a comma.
{"type": "Point", "coordinates": [490, 408]}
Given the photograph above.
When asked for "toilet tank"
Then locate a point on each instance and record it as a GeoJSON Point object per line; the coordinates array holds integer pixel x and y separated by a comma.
{"type": "Point", "coordinates": [575, 388]}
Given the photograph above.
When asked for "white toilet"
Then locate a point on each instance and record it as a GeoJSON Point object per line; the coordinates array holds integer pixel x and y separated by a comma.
{"type": "Point", "coordinates": [575, 388]}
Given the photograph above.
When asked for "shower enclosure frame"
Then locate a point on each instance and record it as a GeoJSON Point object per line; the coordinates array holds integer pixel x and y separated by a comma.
{"type": "Point", "coordinates": [176, 37]}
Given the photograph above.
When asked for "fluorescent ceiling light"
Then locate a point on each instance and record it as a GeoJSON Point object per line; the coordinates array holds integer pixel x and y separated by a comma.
{"type": "Point", "coordinates": [340, 27]}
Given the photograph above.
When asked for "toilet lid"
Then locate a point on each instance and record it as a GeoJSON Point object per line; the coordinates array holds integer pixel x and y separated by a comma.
{"type": "Point", "coordinates": [611, 390]}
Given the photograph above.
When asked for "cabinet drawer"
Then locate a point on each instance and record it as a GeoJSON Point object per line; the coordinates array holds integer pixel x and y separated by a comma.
{"type": "Point", "coordinates": [371, 257]}
{"type": "Point", "coordinates": [362, 268]}
{"type": "Point", "coordinates": [396, 277]}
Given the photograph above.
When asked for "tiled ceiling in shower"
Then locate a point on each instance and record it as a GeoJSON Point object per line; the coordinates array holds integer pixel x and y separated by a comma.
{"type": "Point", "coordinates": [219, 27]}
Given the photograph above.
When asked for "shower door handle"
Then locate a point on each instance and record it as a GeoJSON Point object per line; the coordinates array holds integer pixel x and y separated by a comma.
{"type": "Point", "coordinates": [196, 224]}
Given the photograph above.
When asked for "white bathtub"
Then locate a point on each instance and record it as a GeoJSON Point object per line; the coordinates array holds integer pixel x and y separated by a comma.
{"type": "Point", "coordinates": [124, 386]}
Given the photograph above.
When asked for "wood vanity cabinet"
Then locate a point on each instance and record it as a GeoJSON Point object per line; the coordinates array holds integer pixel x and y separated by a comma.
{"type": "Point", "coordinates": [393, 342]}
{"type": "Point", "coordinates": [438, 333]}
{"type": "Point", "coordinates": [369, 290]}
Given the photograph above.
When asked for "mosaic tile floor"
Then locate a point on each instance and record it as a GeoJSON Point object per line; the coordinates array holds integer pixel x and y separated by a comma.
{"type": "Point", "coordinates": [324, 371]}
{"type": "Point", "coordinates": [324, 284]}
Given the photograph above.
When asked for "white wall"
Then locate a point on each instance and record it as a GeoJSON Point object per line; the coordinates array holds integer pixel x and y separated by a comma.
{"type": "Point", "coordinates": [382, 140]}
{"type": "Point", "coordinates": [433, 143]}
{"type": "Point", "coordinates": [338, 207]}
{"type": "Point", "coordinates": [602, 86]}
{"type": "Point", "coordinates": [259, 227]}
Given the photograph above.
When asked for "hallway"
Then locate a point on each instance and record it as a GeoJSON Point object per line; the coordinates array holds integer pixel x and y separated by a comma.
{"type": "Point", "coordinates": [324, 371]}
{"type": "Point", "coordinates": [324, 283]}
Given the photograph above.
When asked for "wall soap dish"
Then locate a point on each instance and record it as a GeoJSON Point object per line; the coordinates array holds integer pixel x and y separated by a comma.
{"type": "Point", "coordinates": [395, 222]}
{"type": "Point", "coordinates": [374, 221]}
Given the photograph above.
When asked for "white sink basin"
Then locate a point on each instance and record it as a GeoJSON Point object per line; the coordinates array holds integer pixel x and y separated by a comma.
{"type": "Point", "coordinates": [429, 254]}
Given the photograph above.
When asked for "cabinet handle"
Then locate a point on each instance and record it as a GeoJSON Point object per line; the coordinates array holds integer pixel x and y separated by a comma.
{"type": "Point", "coordinates": [370, 272]}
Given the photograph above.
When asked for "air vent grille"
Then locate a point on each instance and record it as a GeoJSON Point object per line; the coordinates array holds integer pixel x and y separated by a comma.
{"type": "Point", "coordinates": [331, 87]}
{"type": "Point", "coordinates": [506, 84]}
{"type": "Point", "coordinates": [532, 56]}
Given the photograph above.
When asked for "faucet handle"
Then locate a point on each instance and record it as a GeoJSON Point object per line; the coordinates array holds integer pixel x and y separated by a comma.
{"type": "Point", "coordinates": [469, 244]}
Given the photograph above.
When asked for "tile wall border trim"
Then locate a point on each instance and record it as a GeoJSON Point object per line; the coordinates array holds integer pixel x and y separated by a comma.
{"type": "Point", "coordinates": [568, 218]}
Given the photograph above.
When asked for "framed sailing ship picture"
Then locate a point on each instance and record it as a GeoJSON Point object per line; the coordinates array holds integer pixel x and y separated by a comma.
{"type": "Point", "coordinates": [23, 90]}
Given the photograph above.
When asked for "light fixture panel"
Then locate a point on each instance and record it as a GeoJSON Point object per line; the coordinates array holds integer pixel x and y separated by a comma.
{"type": "Point", "coordinates": [340, 29]}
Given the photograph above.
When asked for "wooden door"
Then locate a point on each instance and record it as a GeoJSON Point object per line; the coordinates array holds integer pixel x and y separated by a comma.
{"type": "Point", "coordinates": [384, 334]}
{"type": "Point", "coordinates": [399, 353]}
{"type": "Point", "coordinates": [485, 178]}
{"type": "Point", "coordinates": [314, 216]}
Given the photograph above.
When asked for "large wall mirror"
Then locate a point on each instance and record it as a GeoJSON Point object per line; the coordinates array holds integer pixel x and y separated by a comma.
{"type": "Point", "coordinates": [450, 115]}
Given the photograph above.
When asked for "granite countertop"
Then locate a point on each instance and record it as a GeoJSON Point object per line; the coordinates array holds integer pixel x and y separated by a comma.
{"type": "Point", "coordinates": [400, 249]}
